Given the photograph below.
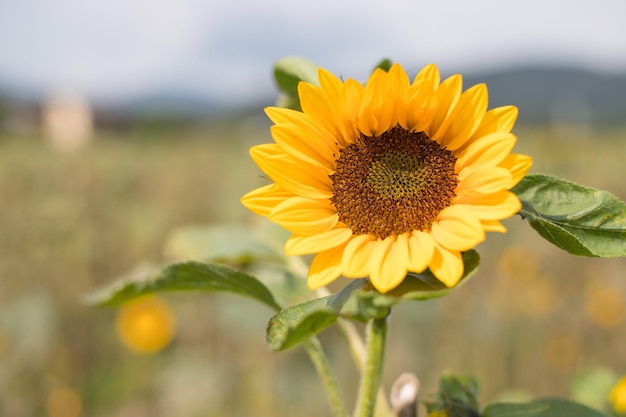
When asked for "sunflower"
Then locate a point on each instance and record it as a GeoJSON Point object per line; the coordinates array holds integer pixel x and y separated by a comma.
{"type": "Point", "coordinates": [389, 177]}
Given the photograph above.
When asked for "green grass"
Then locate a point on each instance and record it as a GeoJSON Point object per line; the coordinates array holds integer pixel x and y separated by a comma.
{"type": "Point", "coordinates": [72, 222]}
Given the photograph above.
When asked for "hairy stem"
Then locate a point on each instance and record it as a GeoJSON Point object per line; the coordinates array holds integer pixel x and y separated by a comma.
{"type": "Point", "coordinates": [372, 368]}
{"type": "Point", "coordinates": [325, 371]}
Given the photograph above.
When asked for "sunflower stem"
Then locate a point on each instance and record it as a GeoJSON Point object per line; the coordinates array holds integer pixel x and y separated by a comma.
{"type": "Point", "coordinates": [325, 371]}
{"type": "Point", "coordinates": [372, 368]}
{"type": "Point", "coordinates": [357, 350]}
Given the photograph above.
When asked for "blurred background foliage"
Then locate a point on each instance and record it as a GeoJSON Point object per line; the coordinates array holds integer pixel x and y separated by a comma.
{"type": "Point", "coordinates": [533, 322]}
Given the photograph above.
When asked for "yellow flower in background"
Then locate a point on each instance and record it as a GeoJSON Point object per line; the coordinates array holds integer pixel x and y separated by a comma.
{"type": "Point", "coordinates": [618, 396]}
{"type": "Point", "coordinates": [145, 325]}
{"type": "Point", "coordinates": [388, 177]}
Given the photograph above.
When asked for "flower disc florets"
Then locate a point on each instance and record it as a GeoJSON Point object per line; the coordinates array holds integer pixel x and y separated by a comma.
{"type": "Point", "coordinates": [393, 183]}
{"type": "Point", "coordinates": [388, 177]}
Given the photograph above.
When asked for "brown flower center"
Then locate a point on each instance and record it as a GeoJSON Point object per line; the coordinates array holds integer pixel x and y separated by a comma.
{"type": "Point", "coordinates": [393, 183]}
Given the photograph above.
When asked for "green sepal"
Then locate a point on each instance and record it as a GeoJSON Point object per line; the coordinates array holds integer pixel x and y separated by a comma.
{"type": "Point", "coordinates": [288, 72]}
{"type": "Point", "coordinates": [357, 301]}
{"type": "Point", "coordinates": [187, 276]}
{"type": "Point", "coordinates": [548, 407]}
{"type": "Point", "coordinates": [580, 220]}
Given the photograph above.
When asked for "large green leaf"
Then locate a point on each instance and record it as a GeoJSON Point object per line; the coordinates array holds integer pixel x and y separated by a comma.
{"type": "Point", "coordinates": [357, 301]}
{"type": "Point", "coordinates": [188, 276]}
{"type": "Point", "coordinates": [581, 220]}
{"type": "Point", "coordinates": [549, 407]}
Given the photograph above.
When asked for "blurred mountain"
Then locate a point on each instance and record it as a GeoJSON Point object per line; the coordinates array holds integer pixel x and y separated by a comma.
{"type": "Point", "coordinates": [171, 102]}
{"type": "Point", "coordinates": [543, 95]}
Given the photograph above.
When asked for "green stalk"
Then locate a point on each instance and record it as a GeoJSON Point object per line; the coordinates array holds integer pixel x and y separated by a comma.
{"type": "Point", "coordinates": [320, 360]}
{"type": "Point", "coordinates": [372, 369]}
{"type": "Point", "coordinates": [357, 350]}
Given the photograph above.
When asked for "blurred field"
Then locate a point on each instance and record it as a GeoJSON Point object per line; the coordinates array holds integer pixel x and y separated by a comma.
{"type": "Point", "coordinates": [531, 319]}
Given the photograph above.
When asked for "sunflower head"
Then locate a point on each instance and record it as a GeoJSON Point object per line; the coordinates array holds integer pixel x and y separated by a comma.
{"type": "Point", "coordinates": [388, 177]}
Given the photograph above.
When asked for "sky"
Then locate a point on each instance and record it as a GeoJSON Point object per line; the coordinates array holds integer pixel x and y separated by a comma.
{"type": "Point", "coordinates": [114, 50]}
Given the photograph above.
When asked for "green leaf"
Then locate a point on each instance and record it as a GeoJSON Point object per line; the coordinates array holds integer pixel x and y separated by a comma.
{"type": "Point", "coordinates": [385, 65]}
{"type": "Point", "coordinates": [288, 72]}
{"type": "Point", "coordinates": [580, 220]}
{"type": "Point", "coordinates": [549, 407]}
{"type": "Point", "coordinates": [297, 323]}
{"type": "Point", "coordinates": [188, 276]}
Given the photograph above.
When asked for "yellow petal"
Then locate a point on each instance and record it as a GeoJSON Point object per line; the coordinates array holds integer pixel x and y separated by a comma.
{"type": "Point", "coordinates": [303, 245]}
{"type": "Point", "coordinates": [388, 264]}
{"type": "Point", "coordinates": [493, 226]}
{"type": "Point", "coordinates": [446, 97]}
{"type": "Point", "coordinates": [330, 84]}
{"type": "Point", "coordinates": [399, 79]}
{"type": "Point", "coordinates": [325, 268]}
{"type": "Point", "coordinates": [421, 99]}
{"type": "Point", "coordinates": [421, 249]}
{"type": "Point", "coordinates": [313, 101]}
{"type": "Point", "coordinates": [306, 145]}
{"type": "Point", "coordinates": [518, 165]}
{"type": "Point", "coordinates": [316, 104]}
{"type": "Point", "coordinates": [351, 98]}
{"type": "Point", "coordinates": [305, 122]}
{"type": "Point", "coordinates": [496, 206]}
{"type": "Point", "coordinates": [430, 74]}
{"type": "Point", "coordinates": [259, 152]}
{"type": "Point", "coordinates": [280, 115]}
{"type": "Point", "coordinates": [486, 180]}
{"type": "Point", "coordinates": [356, 256]}
{"type": "Point", "coordinates": [488, 150]}
{"type": "Point", "coordinates": [500, 119]}
{"type": "Point", "coordinates": [377, 112]}
{"type": "Point", "coordinates": [447, 266]}
{"type": "Point", "coordinates": [333, 88]}
{"type": "Point", "coordinates": [294, 175]}
{"type": "Point", "coordinates": [262, 200]}
{"type": "Point", "coordinates": [304, 216]}
{"type": "Point", "coordinates": [402, 246]}
{"type": "Point", "coordinates": [420, 107]}
{"type": "Point", "coordinates": [457, 229]}
{"type": "Point", "coordinates": [465, 118]}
